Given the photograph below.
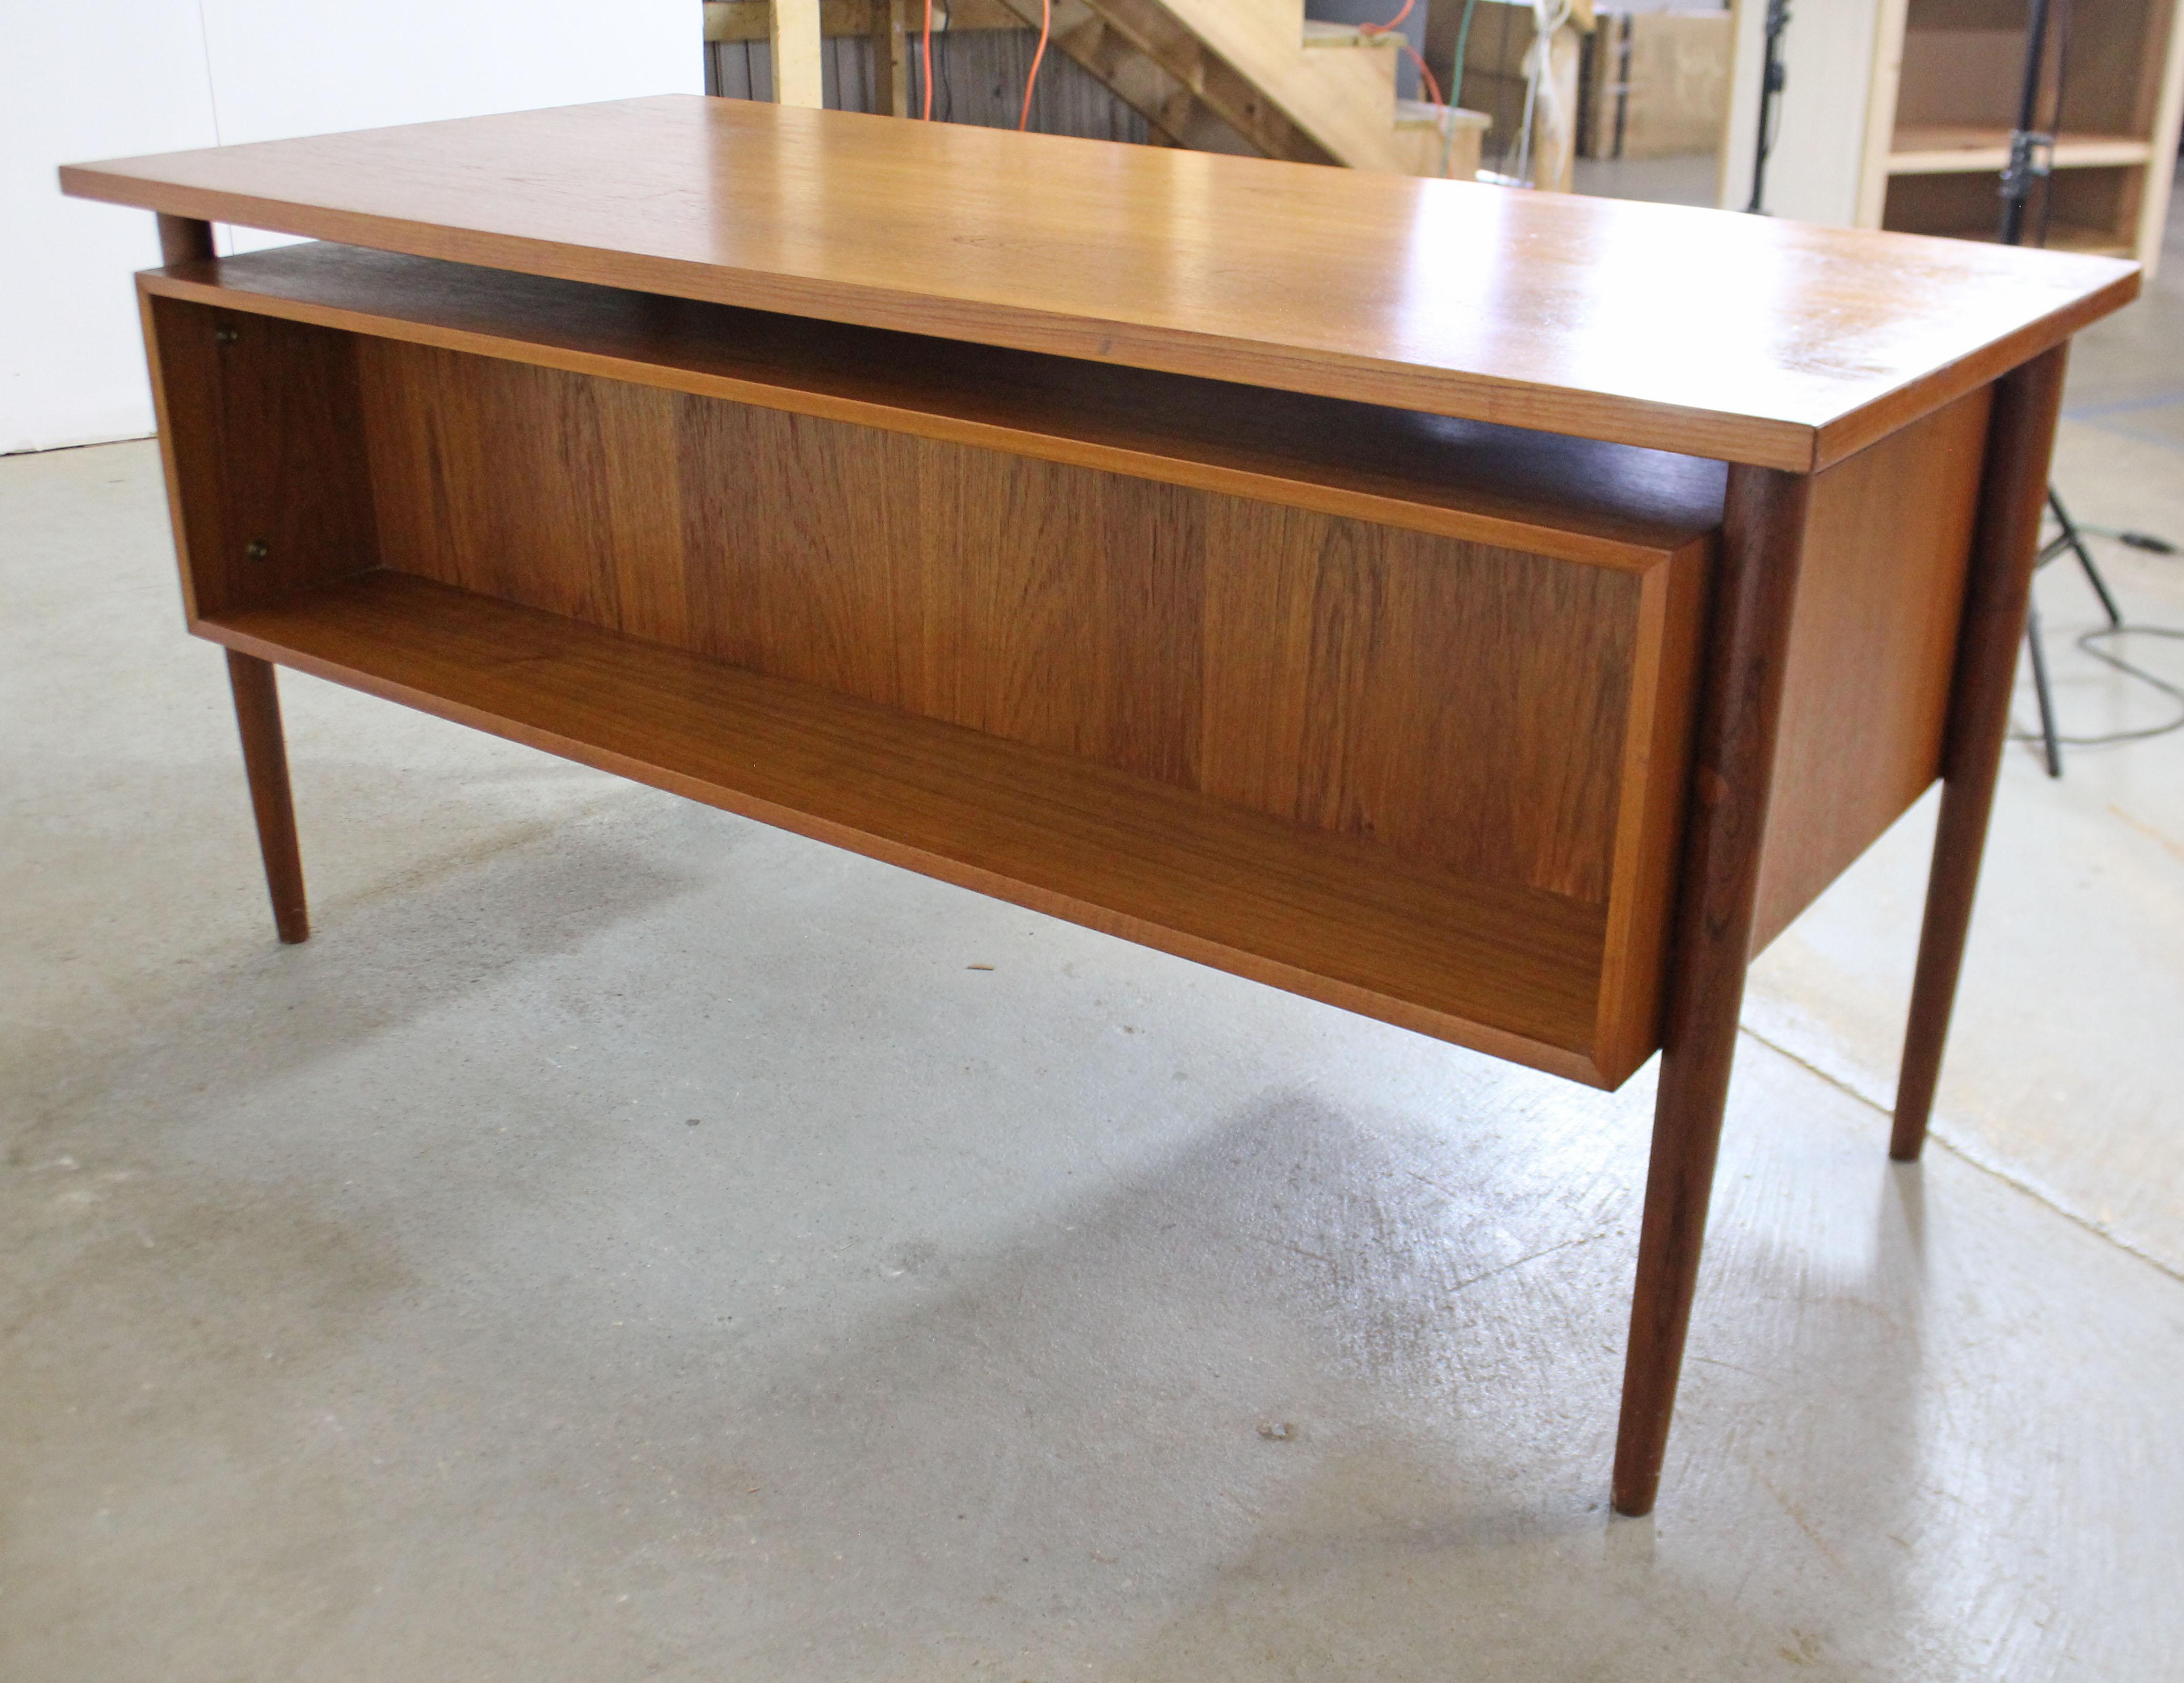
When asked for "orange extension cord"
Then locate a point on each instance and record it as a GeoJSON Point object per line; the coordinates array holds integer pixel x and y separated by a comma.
{"type": "Point", "coordinates": [1045, 25]}
{"type": "Point", "coordinates": [1045, 29]}
{"type": "Point", "coordinates": [925, 53]}
{"type": "Point", "coordinates": [1425, 74]}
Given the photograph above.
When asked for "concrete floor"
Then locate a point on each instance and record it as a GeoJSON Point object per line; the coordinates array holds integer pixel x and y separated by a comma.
{"type": "Point", "coordinates": [629, 1242]}
{"type": "Point", "coordinates": [1683, 178]}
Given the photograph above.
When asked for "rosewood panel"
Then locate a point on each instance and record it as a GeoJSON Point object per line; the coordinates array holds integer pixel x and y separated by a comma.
{"type": "Point", "coordinates": [1052, 606]}
{"type": "Point", "coordinates": [1066, 607]}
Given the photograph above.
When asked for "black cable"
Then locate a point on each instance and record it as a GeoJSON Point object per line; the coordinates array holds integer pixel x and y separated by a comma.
{"type": "Point", "coordinates": [943, 90]}
{"type": "Point", "coordinates": [1772, 138]}
{"type": "Point", "coordinates": [2092, 642]}
{"type": "Point", "coordinates": [2136, 540]}
{"type": "Point", "coordinates": [2088, 642]}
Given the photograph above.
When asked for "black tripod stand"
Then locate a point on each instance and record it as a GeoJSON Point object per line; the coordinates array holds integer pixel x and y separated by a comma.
{"type": "Point", "coordinates": [2030, 152]}
{"type": "Point", "coordinates": [1773, 79]}
{"type": "Point", "coordinates": [2071, 539]}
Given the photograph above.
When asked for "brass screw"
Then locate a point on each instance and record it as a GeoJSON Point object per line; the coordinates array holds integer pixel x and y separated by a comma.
{"type": "Point", "coordinates": [255, 549]}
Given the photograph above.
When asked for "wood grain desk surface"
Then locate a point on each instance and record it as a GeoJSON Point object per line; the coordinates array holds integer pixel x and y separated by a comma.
{"type": "Point", "coordinates": [1738, 337]}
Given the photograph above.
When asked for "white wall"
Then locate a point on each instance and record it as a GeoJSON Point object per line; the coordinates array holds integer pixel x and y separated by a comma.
{"type": "Point", "coordinates": [82, 79]}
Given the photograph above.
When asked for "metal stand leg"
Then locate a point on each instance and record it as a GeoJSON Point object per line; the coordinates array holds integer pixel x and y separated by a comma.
{"type": "Point", "coordinates": [2039, 653]}
{"type": "Point", "coordinates": [2074, 542]}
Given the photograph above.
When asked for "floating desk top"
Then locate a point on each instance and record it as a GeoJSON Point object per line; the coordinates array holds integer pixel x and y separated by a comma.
{"type": "Point", "coordinates": [1741, 338]}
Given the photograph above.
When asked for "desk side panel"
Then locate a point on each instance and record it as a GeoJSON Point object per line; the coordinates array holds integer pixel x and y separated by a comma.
{"type": "Point", "coordinates": [1656, 780]}
{"type": "Point", "coordinates": [1463, 704]}
{"type": "Point", "coordinates": [262, 427]}
{"type": "Point", "coordinates": [1872, 649]}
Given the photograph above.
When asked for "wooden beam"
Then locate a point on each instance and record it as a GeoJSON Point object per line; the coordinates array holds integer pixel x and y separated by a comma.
{"type": "Point", "coordinates": [1136, 37]}
{"type": "Point", "coordinates": [891, 46]}
{"type": "Point", "coordinates": [792, 32]}
{"type": "Point", "coordinates": [748, 19]}
{"type": "Point", "coordinates": [1176, 115]}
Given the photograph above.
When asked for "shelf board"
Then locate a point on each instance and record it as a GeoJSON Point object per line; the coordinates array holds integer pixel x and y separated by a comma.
{"type": "Point", "coordinates": [2061, 237]}
{"type": "Point", "coordinates": [1935, 149]}
{"type": "Point", "coordinates": [1317, 33]}
{"type": "Point", "coordinates": [1423, 114]}
{"type": "Point", "coordinates": [1508, 969]}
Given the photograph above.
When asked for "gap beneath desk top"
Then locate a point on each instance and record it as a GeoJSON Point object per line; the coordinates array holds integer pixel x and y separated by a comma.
{"type": "Point", "coordinates": [1573, 498]}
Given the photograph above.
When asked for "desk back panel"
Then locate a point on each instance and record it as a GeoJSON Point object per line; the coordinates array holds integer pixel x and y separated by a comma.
{"type": "Point", "coordinates": [1466, 704]}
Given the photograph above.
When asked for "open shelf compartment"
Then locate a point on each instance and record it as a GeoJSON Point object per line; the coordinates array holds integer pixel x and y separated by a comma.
{"type": "Point", "coordinates": [1386, 710]}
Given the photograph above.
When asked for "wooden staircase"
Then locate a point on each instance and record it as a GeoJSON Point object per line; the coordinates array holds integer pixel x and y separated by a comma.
{"type": "Point", "coordinates": [1291, 87]}
{"type": "Point", "coordinates": [1214, 75]}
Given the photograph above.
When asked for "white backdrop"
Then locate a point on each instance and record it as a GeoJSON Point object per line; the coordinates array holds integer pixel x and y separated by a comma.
{"type": "Point", "coordinates": [88, 79]}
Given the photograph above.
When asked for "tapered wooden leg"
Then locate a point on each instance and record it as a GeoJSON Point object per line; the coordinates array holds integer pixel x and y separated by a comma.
{"type": "Point", "coordinates": [1997, 591]}
{"type": "Point", "coordinates": [1741, 704]}
{"type": "Point", "coordinates": [265, 758]}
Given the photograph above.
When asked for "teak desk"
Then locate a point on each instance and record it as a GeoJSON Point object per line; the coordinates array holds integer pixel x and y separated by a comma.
{"type": "Point", "coordinates": [1496, 613]}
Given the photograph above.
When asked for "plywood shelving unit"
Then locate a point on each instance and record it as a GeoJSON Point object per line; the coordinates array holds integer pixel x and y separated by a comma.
{"type": "Point", "coordinates": [1948, 74]}
{"type": "Point", "coordinates": [1921, 95]}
